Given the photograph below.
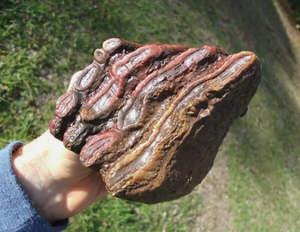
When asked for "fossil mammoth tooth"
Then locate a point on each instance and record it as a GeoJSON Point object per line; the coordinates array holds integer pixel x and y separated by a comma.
{"type": "Point", "coordinates": [150, 118]}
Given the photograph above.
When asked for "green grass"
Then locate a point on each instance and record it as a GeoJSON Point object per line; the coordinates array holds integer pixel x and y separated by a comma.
{"type": "Point", "coordinates": [42, 43]}
{"type": "Point", "coordinates": [112, 214]}
{"type": "Point", "coordinates": [295, 5]}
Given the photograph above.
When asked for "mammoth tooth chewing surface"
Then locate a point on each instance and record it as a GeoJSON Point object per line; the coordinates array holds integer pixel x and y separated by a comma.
{"type": "Point", "coordinates": [150, 118]}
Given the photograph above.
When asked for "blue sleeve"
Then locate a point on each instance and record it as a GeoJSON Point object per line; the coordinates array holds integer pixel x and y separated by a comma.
{"type": "Point", "coordinates": [17, 212]}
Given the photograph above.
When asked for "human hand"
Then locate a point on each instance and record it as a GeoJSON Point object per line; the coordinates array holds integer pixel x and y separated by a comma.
{"type": "Point", "coordinates": [55, 180]}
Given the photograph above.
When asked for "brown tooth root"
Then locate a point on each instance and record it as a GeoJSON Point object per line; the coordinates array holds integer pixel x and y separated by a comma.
{"type": "Point", "coordinates": [151, 117]}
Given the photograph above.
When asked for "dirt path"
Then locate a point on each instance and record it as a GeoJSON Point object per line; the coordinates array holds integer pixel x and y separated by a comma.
{"type": "Point", "coordinates": [216, 214]}
{"type": "Point", "coordinates": [290, 26]}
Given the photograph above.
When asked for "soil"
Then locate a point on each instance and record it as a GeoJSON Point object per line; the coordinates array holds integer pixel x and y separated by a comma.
{"type": "Point", "coordinates": [216, 214]}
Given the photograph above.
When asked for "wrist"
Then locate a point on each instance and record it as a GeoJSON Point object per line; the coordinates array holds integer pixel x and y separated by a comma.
{"type": "Point", "coordinates": [31, 164]}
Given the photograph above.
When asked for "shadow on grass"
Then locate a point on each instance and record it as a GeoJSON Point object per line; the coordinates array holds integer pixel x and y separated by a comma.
{"type": "Point", "coordinates": [264, 154]}
{"type": "Point", "coordinates": [262, 31]}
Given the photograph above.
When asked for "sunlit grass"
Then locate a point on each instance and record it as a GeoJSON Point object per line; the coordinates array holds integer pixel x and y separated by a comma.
{"type": "Point", "coordinates": [112, 214]}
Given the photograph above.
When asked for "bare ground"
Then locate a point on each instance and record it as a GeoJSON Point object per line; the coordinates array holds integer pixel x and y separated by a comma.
{"type": "Point", "coordinates": [216, 214]}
